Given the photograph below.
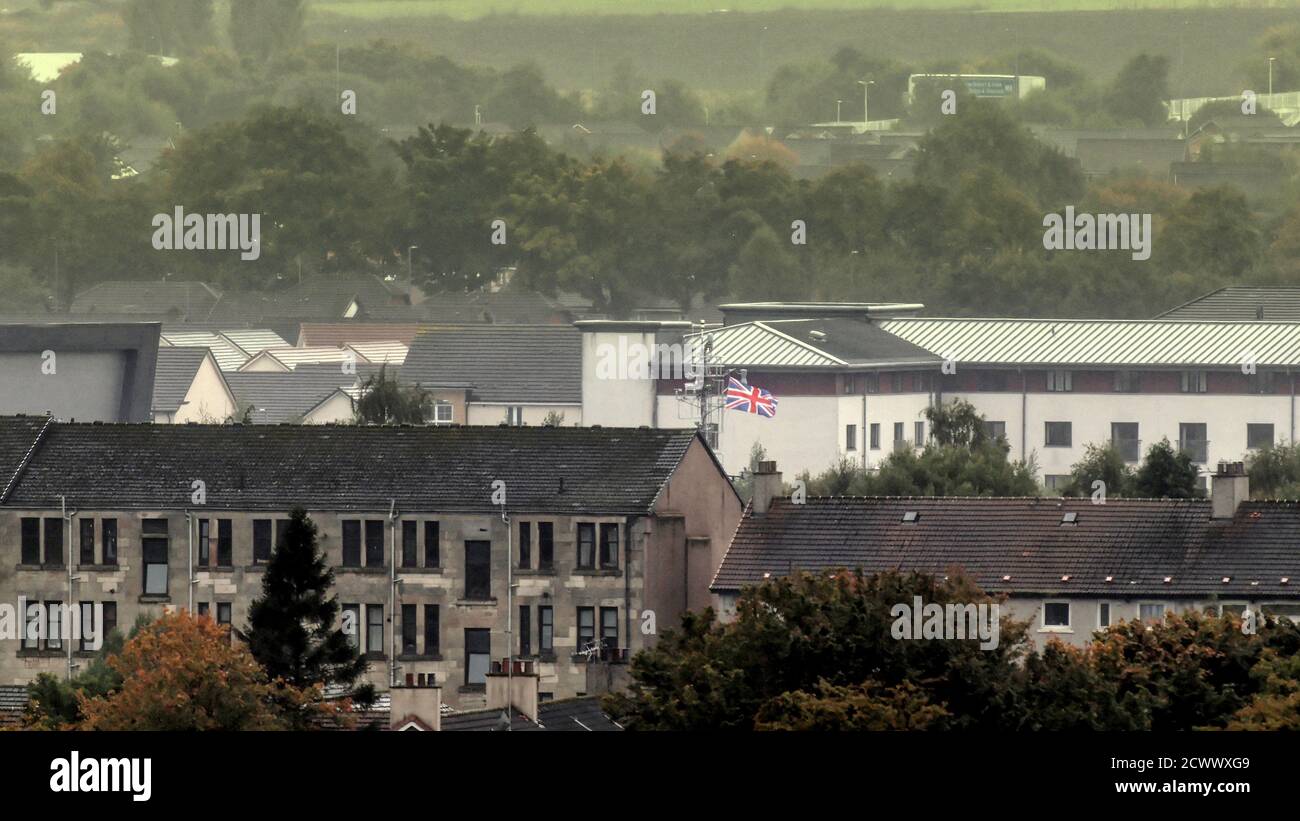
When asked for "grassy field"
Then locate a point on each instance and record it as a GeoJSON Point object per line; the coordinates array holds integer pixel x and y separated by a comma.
{"type": "Point", "coordinates": [1206, 46]}
{"type": "Point", "coordinates": [475, 9]}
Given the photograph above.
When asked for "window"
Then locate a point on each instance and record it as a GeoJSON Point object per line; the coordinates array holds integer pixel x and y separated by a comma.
{"type": "Point", "coordinates": [205, 549]}
{"type": "Point", "coordinates": [262, 541]}
{"type": "Point", "coordinates": [1259, 435]}
{"type": "Point", "coordinates": [896, 382]}
{"type": "Point", "coordinates": [848, 384]}
{"type": "Point", "coordinates": [586, 545]}
{"type": "Point", "coordinates": [1151, 612]}
{"type": "Point", "coordinates": [1261, 382]}
{"type": "Point", "coordinates": [478, 571]}
{"type": "Point", "coordinates": [374, 543]}
{"type": "Point", "coordinates": [54, 631]}
{"type": "Point", "coordinates": [525, 545]}
{"type": "Point", "coordinates": [442, 414]}
{"type": "Point", "coordinates": [586, 628]}
{"type": "Point", "coordinates": [31, 538]}
{"type": "Point", "coordinates": [90, 631]}
{"type": "Point", "coordinates": [108, 535]}
{"type": "Point", "coordinates": [1128, 382]}
{"type": "Point", "coordinates": [224, 609]}
{"type": "Point", "coordinates": [1192, 440]}
{"type": "Point", "coordinates": [546, 631]}
{"type": "Point", "coordinates": [918, 430]}
{"type": "Point", "coordinates": [351, 543]}
{"type": "Point", "coordinates": [204, 608]}
{"type": "Point", "coordinates": [432, 632]}
{"type": "Point", "coordinates": [1124, 438]}
{"type": "Point", "coordinates": [525, 630]}
{"type": "Point", "coordinates": [992, 380]}
{"type": "Point", "coordinates": [545, 545]}
{"type": "Point", "coordinates": [154, 547]}
{"type": "Point", "coordinates": [87, 552]}
{"type": "Point", "coordinates": [35, 627]}
{"type": "Point", "coordinates": [899, 441]}
{"type": "Point", "coordinates": [514, 416]}
{"type": "Point", "coordinates": [410, 548]}
{"type": "Point", "coordinates": [1060, 381]}
{"type": "Point", "coordinates": [995, 430]}
{"type": "Point", "coordinates": [1057, 435]}
{"type": "Point", "coordinates": [609, 545]}
{"type": "Point", "coordinates": [281, 526]}
{"type": "Point", "coordinates": [408, 630]}
{"type": "Point", "coordinates": [875, 435]}
{"type": "Point", "coordinates": [1056, 614]}
{"type": "Point", "coordinates": [431, 556]}
{"type": "Point", "coordinates": [225, 543]}
{"type": "Point", "coordinates": [609, 628]}
{"type": "Point", "coordinates": [350, 623]}
{"type": "Point", "coordinates": [1193, 382]}
{"type": "Point", "coordinates": [478, 649]}
{"type": "Point", "coordinates": [850, 437]}
{"type": "Point", "coordinates": [374, 628]}
{"type": "Point", "coordinates": [871, 383]}
{"type": "Point", "coordinates": [1057, 482]}
{"type": "Point", "coordinates": [54, 541]}
{"type": "Point", "coordinates": [1103, 614]}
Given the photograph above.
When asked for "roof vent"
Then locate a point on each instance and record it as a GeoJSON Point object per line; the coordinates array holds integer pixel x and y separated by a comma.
{"type": "Point", "coordinates": [1110, 579]}
{"type": "Point", "coordinates": [817, 336]}
{"type": "Point", "coordinates": [1071, 518]}
{"type": "Point", "coordinates": [910, 517]}
{"type": "Point", "coordinates": [1065, 578]}
{"type": "Point", "coordinates": [1227, 579]}
{"type": "Point", "coordinates": [1168, 579]}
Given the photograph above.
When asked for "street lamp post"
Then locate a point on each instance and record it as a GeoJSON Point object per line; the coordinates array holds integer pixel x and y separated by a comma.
{"type": "Point", "coordinates": [837, 110]}
{"type": "Point", "coordinates": [866, 89]}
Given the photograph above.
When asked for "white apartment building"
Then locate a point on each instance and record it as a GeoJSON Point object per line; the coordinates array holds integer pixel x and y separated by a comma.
{"type": "Point", "coordinates": [854, 381]}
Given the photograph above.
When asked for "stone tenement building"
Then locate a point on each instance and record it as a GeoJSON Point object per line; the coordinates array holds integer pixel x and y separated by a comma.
{"type": "Point", "coordinates": [608, 532]}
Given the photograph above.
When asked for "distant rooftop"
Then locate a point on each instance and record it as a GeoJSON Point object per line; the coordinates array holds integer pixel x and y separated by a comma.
{"type": "Point", "coordinates": [1242, 303]}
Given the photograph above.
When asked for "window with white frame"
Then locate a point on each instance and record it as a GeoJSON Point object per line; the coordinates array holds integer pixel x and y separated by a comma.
{"type": "Point", "coordinates": [1056, 615]}
{"type": "Point", "coordinates": [442, 413]}
{"type": "Point", "coordinates": [1058, 380]}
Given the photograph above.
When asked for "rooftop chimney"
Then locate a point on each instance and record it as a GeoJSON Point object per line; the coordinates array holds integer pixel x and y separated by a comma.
{"type": "Point", "coordinates": [420, 698]}
{"type": "Point", "coordinates": [767, 486]}
{"type": "Point", "coordinates": [517, 689]}
{"type": "Point", "coordinates": [1229, 487]}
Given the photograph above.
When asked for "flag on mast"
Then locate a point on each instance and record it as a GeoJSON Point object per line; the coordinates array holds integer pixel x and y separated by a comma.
{"type": "Point", "coordinates": [748, 399]}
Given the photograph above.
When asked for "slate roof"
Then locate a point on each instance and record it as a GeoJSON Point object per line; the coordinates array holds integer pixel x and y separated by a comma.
{"type": "Point", "coordinates": [504, 363]}
{"type": "Point", "coordinates": [1242, 303]}
{"type": "Point", "coordinates": [338, 334]}
{"type": "Point", "coordinates": [174, 375]}
{"type": "Point", "coordinates": [18, 435]}
{"type": "Point", "coordinates": [278, 397]}
{"type": "Point", "coordinates": [1135, 542]}
{"type": "Point", "coordinates": [581, 714]}
{"type": "Point", "coordinates": [599, 471]}
{"type": "Point", "coordinates": [191, 299]}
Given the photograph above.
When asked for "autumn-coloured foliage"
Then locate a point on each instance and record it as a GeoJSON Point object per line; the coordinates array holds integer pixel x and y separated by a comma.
{"type": "Point", "coordinates": [182, 672]}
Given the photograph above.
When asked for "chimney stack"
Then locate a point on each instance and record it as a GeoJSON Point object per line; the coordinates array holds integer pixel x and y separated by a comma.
{"type": "Point", "coordinates": [516, 688]}
{"type": "Point", "coordinates": [767, 486]}
{"type": "Point", "coordinates": [1229, 487]}
{"type": "Point", "coordinates": [420, 698]}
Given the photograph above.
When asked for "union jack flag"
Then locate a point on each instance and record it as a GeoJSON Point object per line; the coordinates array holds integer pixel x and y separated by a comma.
{"type": "Point", "coordinates": [745, 399]}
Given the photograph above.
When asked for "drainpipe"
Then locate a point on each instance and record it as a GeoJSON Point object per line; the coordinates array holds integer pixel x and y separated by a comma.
{"type": "Point", "coordinates": [510, 616]}
{"type": "Point", "coordinates": [189, 536]}
{"type": "Point", "coordinates": [67, 560]}
{"type": "Point", "coordinates": [1292, 375]}
{"type": "Point", "coordinates": [627, 580]}
{"type": "Point", "coordinates": [392, 593]}
{"type": "Point", "coordinates": [1024, 421]}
